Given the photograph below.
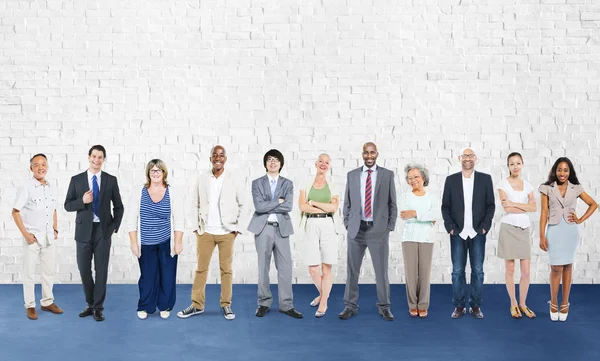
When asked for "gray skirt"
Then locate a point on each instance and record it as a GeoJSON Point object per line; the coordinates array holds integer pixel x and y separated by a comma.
{"type": "Point", "coordinates": [563, 239]}
{"type": "Point", "coordinates": [514, 242]}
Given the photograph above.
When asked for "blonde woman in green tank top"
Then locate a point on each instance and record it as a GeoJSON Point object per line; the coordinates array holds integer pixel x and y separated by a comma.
{"type": "Point", "coordinates": [319, 204]}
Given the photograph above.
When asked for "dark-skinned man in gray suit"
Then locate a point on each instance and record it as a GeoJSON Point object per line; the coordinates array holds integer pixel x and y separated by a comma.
{"type": "Point", "coordinates": [370, 214]}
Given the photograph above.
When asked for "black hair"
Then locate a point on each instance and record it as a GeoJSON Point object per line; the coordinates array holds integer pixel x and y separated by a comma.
{"type": "Point", "coordinates": [572, 174]}
{"type": "Point", "coordinates": [97, 147]}
{"type": "Point", "coordinates": [38, 155]}
{"type": "Point", "coordinates": [275, 154]}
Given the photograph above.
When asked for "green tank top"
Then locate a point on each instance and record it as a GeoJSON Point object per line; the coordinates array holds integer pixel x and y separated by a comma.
{"type": "Point", "coordinates": [320, 195]}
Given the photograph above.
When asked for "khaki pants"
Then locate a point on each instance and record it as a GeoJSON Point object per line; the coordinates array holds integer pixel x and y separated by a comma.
{"type": "Point", "coordinates": [205, 246]}
{"type": "Point", "coordinates": [417, 269]}
{"type": "Point", "coordinates": [31, 253]}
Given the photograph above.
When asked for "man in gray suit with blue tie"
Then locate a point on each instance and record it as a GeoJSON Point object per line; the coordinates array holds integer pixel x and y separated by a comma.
{"type": "Point", "coordinates": [271, 224]}
{"type": "Point", "coordinates": [370, 214]}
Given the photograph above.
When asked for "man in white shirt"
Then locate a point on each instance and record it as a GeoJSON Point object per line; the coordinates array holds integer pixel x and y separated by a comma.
{"type": "Point", "coordinates": [34, 212]}
{"type": "Point", "coordinates": [219, 205]}
{"type": "Point", "coordinates": [467, 209]}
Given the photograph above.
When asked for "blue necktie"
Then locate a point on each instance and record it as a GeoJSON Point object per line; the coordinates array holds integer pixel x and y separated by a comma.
{"type": "Point", "coordinates": [96, 194]}
{"type": "Point", "coordinates": [273, 186]}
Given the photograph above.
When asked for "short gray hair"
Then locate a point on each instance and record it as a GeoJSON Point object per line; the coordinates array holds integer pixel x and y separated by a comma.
{"type": "Point", "coordinates": [421, 168]}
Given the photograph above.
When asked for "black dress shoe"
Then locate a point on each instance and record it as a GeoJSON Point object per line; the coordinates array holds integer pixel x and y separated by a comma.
{"type": "Point", "coordinates": [386, 314]}
{"type": "Point", "coordinates": [347, 313]}
{"type": "Point", "coordinates": [261, 311]}
{"type": "Point", "coordinates": [476, 312]}
{"type": "Point", "coordinates": [86, 312]}
{"type": "Point", "coordinates": [458, 312]}
{"type": "Point", "coordinates": [98, 316]}
{"type": "Point", "coordinates": [292, 313]}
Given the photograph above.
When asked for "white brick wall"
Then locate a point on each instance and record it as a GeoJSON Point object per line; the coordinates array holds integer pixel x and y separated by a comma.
{"type": "Point", "coordinates": [168, 79]}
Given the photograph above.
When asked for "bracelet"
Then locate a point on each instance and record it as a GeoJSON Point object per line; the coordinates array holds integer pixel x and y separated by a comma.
{"type": "Point", "coordinates": [56, 231]}
{"type": "Point", "coordinates": [310, 203]}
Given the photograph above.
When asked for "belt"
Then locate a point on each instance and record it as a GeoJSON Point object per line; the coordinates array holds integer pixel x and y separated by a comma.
{"type": "Point", "coordinates": [274, 224]}
{"type": "Point", "coordinates": [319, 215]}
{"type": "Point", "coordinates": [366, 223]}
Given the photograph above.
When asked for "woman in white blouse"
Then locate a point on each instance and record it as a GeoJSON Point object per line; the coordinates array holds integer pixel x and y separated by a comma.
{"type": "Point", "coordinates": [514, 240]}
{"type": "Point", "coordinates": [419, 209]}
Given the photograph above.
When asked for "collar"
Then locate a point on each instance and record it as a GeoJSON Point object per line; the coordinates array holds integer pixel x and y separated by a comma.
{"type": "Point", "coordinates": [471, 178]}
{"type": "Point", "coordinates": [364, 168]}
{"type": "Point", "coordinates": [90, 174]}
{"type": "Point", "coordinates": [213, 176]}
{"type": "Point", "coordinates": [37, 183]}
{"type": "Point", "coordinates": [271, 179]}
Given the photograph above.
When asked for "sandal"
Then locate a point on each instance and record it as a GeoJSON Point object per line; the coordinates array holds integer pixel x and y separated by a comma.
{"type": "Point", "coordinates": [529, 313]}
{"type": "Point", "coordinates": [422, 313]}
{"type": "Point", "coordinates": [553, 311]}
{"type": "Point", "coordinates": [515, 312]}
{"type": "Point", "coordinates": [562, 315]}
{"type": "Point", "coordinates": [413, 312]}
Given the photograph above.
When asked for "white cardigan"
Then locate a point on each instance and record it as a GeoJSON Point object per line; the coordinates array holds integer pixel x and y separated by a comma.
{"type": "Point", "coordinates": [133, 216]}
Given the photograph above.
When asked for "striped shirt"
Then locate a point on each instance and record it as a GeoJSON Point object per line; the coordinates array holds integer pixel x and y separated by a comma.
{"type": "Point", "coordinates": [155, 219]}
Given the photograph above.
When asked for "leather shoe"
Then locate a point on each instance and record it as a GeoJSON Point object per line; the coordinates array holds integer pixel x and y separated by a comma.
{"type": "Point", "coordinates": [52, 308]}
{"type": "Point", "coordinates": [292, 313]}
{"type": "Point", "coordinates": [98, 316]}
{"type": "Point", "coordinates": [476, 312]}
{"type": "Point", "coordinates": [31, 314]}
{"type": "Point", "coordinates": [386, 314]}
{"type": "Point", "coordinates": [458, 312]}
{"type": "Point", "coordinates": [347, 313]}
{"type": "Point", "coordinates": [86, 312]}
{"type": "Point", "coordinates": [261, 311]}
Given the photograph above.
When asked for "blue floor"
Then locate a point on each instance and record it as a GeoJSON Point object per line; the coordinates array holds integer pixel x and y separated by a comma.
{"type": "Point", "coordinates": [278, 337]}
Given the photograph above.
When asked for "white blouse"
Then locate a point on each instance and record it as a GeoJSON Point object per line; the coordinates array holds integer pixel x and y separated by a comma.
{"type": "Point", "coordinates": [419, 229]}
{"type": "Point", "coordinates": [520, 219]}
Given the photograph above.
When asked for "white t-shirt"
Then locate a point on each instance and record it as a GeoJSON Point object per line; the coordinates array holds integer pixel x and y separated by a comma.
{"type": "Point", "coordinates": [468, 230]}
{"type": "Point", "coordinates": [520, 219]}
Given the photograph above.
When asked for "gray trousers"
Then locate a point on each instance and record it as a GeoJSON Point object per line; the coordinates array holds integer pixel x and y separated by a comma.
{"type": "Point", "coordinates": [379, 249]}
{"type": "Point", "coordinates": [97, 248]}
{"type": "Point", "coordinates": [417, 270]}
{"type": "Point", "coordinates": [269, 242]}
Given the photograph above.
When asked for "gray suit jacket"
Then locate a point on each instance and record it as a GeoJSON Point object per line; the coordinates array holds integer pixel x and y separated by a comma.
{"type": "Point", "coordinates": [264, 204]}
{"type": "Point", "coordinates": [385, 212]}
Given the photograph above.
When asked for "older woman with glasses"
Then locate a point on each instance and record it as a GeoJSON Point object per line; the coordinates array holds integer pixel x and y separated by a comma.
{"type": "Point", "coordinates": [419, 209]}
{"type": "Point", "coordinates": [155, 224]}
{"type": "Point", "coordinates": [319, 203]}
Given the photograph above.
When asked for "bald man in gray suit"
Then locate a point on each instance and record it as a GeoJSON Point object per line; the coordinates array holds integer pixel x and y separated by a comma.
{"type": "Point", "coordinates": [370, 213]}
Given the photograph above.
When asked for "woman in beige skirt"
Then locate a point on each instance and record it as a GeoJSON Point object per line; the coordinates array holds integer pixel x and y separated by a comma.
{"type": "Point", "coordinates": [319, 203]}
{"type": "Point", "coordinates": [514, 241]}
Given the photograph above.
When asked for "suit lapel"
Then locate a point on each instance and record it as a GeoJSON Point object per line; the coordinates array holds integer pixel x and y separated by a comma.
{"type": "Point", "coordinates": [378, 180]}
{"type": "Point", "coordinates": [461, 191]}
{"type": "Point", "coordinates": [266, 185]}
{"type": "Point", "coordinates": [356, 179]}
{"type": "Point", "coordinates": [103, 182]}
{"type": "Point", "coordinates": [554, 189]}
{"type": "Point", "coordinates": [278, 186]}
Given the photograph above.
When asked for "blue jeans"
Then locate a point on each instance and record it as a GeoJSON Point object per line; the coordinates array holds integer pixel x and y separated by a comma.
{"type": "Point", "coordinates": [476, 250]}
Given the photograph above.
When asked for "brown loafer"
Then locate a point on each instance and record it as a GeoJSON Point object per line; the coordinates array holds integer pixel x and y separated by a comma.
{"type": "Point", "coordinates": [52, 308]}
{"type": "Point", "coordinates": [31, 314]}
{"type": "Point", "coordinates": [413, 312]}
{"type": "Point", "coordinates": [423, 313]}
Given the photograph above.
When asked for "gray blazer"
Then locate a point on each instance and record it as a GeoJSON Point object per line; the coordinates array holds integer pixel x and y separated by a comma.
{"type": "Point", "coordinates": [559, 207]}
{"type": "Point", "coordinates": [385, 212]}
{"type": "Point", "coordinates": [264, 205]}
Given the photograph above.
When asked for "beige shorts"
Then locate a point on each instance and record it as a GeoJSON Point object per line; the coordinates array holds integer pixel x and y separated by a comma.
{"type": "Point", "coordinates": [320, 242]}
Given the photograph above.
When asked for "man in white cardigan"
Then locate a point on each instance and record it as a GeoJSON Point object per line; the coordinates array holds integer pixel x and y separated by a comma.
{"type": "Point", "coordinates": [219, 204]}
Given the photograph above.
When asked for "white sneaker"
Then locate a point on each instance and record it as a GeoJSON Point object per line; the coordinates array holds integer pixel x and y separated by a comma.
{"type": "Point", "coordinates": [142, 315]}
{"type": "Point", "coordinates": [228, 313]}
{"type": "Point", "coordinates": [165, 314]}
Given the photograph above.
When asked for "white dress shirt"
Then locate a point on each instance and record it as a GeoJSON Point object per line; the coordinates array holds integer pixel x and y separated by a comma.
{"type": "Point", "coordinates": [363, 185]}
{"type": "Point", "coordinates": [98, 175]}
{"type": "Point", "coordinates": [37, 202]}
{"type": "Point", "coordinates": [272, 216]}
{"type": "Point", "coordinates": [468, 230]}
{"type": "Point", "coordinates": [215, 225]}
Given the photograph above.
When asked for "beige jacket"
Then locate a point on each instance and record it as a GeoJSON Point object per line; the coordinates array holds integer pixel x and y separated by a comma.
{"type": "Point", "coordinates": [232, 202]}
{"type": "Point", "coordinates": [557, 205]}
